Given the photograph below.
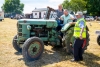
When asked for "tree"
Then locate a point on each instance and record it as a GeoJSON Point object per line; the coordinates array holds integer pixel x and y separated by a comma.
{"type": "Point", "coordinates": [13, 6]}
{"type": "Point", "coordinates": [75, 5]}
{"type": "Point", "coordinates": [66, 4]}
{"type": "Point", "coordinates": [93, 7]}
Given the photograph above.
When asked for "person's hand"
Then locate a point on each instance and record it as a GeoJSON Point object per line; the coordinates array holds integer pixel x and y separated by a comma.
{"type": "Point", "coordinates": [59, 18]}
{"type": "Point", "coordinates": [81, 37]}
{"type": "Point", "coordinates": [71, 23]}
{"type": "Point", "coordinates": [72, 18]}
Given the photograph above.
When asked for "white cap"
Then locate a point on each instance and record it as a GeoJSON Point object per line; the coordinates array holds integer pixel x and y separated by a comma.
{"type": "Point", "coordinates": [79, 13]}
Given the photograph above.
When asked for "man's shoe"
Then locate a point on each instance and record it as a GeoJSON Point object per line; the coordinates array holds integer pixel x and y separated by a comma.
{"type": "Point", "coordinates": [73, 60]}
{"type": "Point", "coordinates": [81, 60]}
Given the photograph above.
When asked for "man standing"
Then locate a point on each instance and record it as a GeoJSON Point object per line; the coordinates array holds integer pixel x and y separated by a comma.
{"type": "Point", "coordinates": [67, 18]}
{"type": "Point", "coordinates": [80, 35]}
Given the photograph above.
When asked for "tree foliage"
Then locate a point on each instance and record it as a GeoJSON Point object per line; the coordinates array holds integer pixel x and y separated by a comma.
{"type": "Point", "coordinates": [75, 5]}
{"type": "Point", "coordinates": [66, 4]}
{"type": "Point", "coordinates": [93, 7]}
{"type": "Point", "coordinates": [13, 6]}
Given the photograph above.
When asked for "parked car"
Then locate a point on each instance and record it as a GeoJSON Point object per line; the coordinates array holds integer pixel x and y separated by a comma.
{"type": "Point", "coordinates": [89, 18]}
{"type": "Point", "coordinates": [17, 16]}
{"type": "Point", "coordinates": [98, 18]}
{"type": "Point", "coordinates": [12, 16]}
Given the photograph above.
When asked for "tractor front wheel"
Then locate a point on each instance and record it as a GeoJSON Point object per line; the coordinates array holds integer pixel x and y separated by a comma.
{"type": "Point", "coordinates": [15, 44]}
{"type": "Point", "coordinates": [32, 48]}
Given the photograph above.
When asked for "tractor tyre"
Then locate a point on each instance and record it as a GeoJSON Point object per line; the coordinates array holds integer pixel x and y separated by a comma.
{"type": "Point", "coordinates": [87, 41]}
{"type": "Point", "coordinates": [0, 19]}
{"type": "Point", "coordinates": [32, 49]}
{"type": "Point", "coordinates": [15, 45]}
{"type": "Point", "coordinates": [85, 45]}
{"type": "Point", "coordinates": [98, 40]}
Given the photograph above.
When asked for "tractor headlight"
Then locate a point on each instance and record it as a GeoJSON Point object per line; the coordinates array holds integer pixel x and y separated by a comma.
{"type": "Point", "coordinates": [28, 27]}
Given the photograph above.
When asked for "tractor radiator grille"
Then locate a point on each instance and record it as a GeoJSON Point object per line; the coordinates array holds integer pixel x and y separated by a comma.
{"type": "Point", "coordinates": [19, 30]}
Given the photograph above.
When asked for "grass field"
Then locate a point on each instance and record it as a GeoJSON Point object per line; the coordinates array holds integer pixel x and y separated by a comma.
{"type": "Point", "coordinates": [50, 58]}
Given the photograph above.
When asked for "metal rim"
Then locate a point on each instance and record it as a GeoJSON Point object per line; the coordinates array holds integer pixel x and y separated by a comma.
{"type": "Point", "coordinates": [34, 49]}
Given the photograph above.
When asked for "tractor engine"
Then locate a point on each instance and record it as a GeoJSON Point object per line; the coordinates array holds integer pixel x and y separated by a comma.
{"type": "Point", "coordinates": [44, 29]}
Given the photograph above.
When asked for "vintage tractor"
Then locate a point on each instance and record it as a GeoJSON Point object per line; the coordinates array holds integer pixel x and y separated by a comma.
{"type": "Point", "coordinates": [33, 34]}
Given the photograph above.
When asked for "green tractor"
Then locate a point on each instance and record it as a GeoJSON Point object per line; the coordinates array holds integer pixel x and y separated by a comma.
{"type": "Point", "coordinates": [33, 34]}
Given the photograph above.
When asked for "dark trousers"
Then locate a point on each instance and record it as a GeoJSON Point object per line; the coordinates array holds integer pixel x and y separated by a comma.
{"type": "Point", "coordinates": [78, 51]}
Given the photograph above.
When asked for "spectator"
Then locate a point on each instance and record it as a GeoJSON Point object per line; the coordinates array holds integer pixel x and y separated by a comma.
{"type": "Point", "coordinates": [67, 18]}
{"type": "Point", "coordinates": [80, 36]}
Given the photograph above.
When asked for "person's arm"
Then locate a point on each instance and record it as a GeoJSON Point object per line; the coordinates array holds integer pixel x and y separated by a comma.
{"type": "Point", "coordinates": [81, 25]}
{"type": "Point", "coordinates": [82, 29]}
{"type": "Point", "coordinates": [56, 10]}
{"type": "Point", "coordinates": [72, 23]}
{"type": "Point", "coordinates": [62, 17]}
{"type": "Point", "coordinates": [72, 17]}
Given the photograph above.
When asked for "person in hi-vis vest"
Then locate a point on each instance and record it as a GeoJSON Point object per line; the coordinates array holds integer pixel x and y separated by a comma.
{"type": "Point", "coordinates": [80, 35]}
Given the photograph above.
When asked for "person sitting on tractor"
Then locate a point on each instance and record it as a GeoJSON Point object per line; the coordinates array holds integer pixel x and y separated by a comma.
{"type": "Point", "coordinates": [59, 12]}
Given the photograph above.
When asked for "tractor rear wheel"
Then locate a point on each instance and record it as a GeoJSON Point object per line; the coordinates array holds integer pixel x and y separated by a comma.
{"type": "Point", "coordinates": [98, 40]}
{"type": "Point", "coordinates": [15, 44]}
{"type": "Point", "coordinates": [69, 35]}
{"type": "Point", "coordinates": [32, 48]}
{"type": "Point", "coordinates": [86, 42]}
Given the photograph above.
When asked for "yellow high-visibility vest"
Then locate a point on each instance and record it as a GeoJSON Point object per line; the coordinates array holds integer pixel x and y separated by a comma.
{"type": "Point", "coordinates": [77, 29]}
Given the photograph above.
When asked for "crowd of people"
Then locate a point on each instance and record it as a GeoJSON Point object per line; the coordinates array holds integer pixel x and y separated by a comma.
{"type": "Point", "coordinates": [79, 30]}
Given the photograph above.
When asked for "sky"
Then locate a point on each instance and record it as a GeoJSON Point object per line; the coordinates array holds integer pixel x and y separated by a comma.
{"type": "Point", "coordinates": [30, 5]}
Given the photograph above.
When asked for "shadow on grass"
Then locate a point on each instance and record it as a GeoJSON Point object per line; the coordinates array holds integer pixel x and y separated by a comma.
{"type": "Point", "coordinates": [91, 60]}
{"type": "Point", "coordinates": [57, 55]}
{"type": "Point", "coordinates": [48, 57]}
